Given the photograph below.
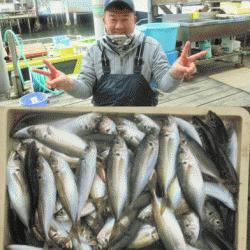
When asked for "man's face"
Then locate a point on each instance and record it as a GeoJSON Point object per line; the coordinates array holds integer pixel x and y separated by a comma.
{"type": "Point", "coordinates": [118, 22]}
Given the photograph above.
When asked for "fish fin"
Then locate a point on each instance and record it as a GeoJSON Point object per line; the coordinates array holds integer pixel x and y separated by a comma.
{"type": "Point", "coordinates": [37, 234]}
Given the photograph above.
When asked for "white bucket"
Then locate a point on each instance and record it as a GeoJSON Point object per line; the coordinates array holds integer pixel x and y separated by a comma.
{"type": "Point", "coordinates": [236, 45]}
{"type": "Point", "coordinates": [227, 44]}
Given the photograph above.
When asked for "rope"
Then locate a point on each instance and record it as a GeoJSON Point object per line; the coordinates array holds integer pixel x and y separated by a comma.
{"type": "Point", "coordinates": [39, 80]}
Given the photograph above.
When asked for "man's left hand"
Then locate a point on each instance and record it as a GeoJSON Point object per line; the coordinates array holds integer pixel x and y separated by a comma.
{"type": "Point", "coordinates": [185, 65]}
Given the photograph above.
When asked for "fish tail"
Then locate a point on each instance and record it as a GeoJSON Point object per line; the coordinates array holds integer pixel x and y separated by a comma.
{"type": "Point", "coordinates": [153, 183]}
{"type": "Point", "coordinates": [74, 232]}
{"type": "Point", "coordinates": [46, 246]}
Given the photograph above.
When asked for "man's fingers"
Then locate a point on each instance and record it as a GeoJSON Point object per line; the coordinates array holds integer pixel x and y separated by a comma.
{"type": "Point", "coordinates": [49, 65]}
{"type": "Point", "coordinates": [185, 49]}
{"type": "Point", "coordinates": [42, 72]}
{"type": "Point", "coordinates": [197, 56]}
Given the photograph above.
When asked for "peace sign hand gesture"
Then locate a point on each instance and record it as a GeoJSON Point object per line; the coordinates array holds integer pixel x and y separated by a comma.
{"type": "Point", "coordinates": [56, 79]}
{"type": "Point", "coordinates": [185, 65]}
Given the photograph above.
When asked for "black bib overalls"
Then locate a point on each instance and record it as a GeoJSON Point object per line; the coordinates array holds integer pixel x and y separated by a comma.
{"type": "Point", "coordinates": [124, 90]}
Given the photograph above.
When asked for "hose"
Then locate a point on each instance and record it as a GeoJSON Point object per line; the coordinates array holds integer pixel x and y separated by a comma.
{"type": "Point", "coordinates": [39, 80]}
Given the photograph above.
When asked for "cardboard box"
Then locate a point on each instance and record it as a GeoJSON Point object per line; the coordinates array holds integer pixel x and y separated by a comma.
{"type": "Point", "coordinates": [238, 116]}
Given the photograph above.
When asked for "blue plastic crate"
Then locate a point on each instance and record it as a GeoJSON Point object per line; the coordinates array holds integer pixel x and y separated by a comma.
{"type": "Point", "coordinates": [61, 40]}
{"type": "Point", "coordinates": [172, 57]}
{"type": "Point", "coordinates": [164, 33]}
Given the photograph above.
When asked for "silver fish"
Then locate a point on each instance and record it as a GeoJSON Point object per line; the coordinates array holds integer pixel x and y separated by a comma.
{"type": "Point", "coordinates": [168, 145]}
{"type": "Point", "coordinates": [128, 237]}
{"type": "Point", "coordinates": [104, 235]}
{"type": "Point", "coordinates": [87, 235]}
{"type": "Point", "coordinates": [206, 164]}
{"type": "Point", "coordinates": [212, 217]}
{"type": "Point", "coordinates": [47, 195]}
{"type": "Point", "coordinates": [98, 188]}
{"type": "Point", "coordinates": [124, 122]}
{"type": "Point", "coordinates": [107, 126]}
{"type": "Point", "coordinates": [22, 247]}
{"type": "Point", "coordinates": [146, 236]}
{"type": "Point", "coordinates": [147, 212]}
{"type": "Point", "coordinates": [117, 175]}
{"type": "Point", "coordinates": [80, 245]}
{"type": "Point", "coordinates": [145, 123]}
{"type": "Point", "coordinates": [188, 128]}
{"type": "Point", "coordinates": [167, 226]}
{"type": "Point", "coordinates": [190, 226]}
{"type": "Point", "coordinates": [95, 221]}
{"type": "Point", "coordinates": [58, 140]}
{"type": "Point", "coordinates": [60, 214]}
{"type": "Point", "coordinates": [66, 185]}
{"type": "Point", "coordinates": [129, 131]}
{"type": "Point", "coordinates": [82, 125]}
{"type": "Point", "coordinates": [221, 193]}
{"type": "Point", "coordinates": [192, 248]}
{"type": "Point", "coordinates": [174, 194]}
{"type": "Point", "coordinates": [85, 174]}
{"type": "Point", "coordinates": [18, 193]}
{"type": "Point", "coordinates": [190, 178]}
{"type": "Point", "coordinates": [232, 146]}
{"type": "Point", "coordinates": [89, 208]}
{"type": "Point", "coordinates": [21, 146]}
{"type": "Point", "coordinates": [122, 226]}
{"type": "Point", "coordinates": [58, 234]}
{"type": "Point", "coordinates": [144, 162]}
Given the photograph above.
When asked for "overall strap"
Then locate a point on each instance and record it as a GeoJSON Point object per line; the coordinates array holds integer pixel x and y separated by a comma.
{"type": "Point", "coordinates": [138, 58]}
{"type": "Point", "coordinates": [105, 60]}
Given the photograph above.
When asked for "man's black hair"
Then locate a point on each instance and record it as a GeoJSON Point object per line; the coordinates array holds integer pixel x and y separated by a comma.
{"type": "Point", "coordinates": [119, 6]}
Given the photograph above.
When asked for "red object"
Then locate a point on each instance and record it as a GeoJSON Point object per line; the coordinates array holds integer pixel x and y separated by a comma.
{"type": "Point", "coordinates": [31, 51]}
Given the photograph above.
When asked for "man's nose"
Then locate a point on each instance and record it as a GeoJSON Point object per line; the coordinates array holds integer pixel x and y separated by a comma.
{"type": "Point", "coordinates": [119, 25]}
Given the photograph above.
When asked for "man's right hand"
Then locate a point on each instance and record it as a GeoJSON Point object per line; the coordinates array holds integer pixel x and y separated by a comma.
{"type": "Point", "coordinates": [56, 79]}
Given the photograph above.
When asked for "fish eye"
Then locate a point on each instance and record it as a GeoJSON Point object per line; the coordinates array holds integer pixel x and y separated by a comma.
{"type": "Point", "coordinates": [108, 130]}
{"type": "Point", "coordinates": [210, 213]}
{"type": "Point", "coordinates": [150, 144]}
{"type": "Point", "coordinates": [61, 212]}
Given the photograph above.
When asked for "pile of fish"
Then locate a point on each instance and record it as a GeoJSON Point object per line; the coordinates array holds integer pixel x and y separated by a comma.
{"type": "Point", "coordinates": [107, 181]}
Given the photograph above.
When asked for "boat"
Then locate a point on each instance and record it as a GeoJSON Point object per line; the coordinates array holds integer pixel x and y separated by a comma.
{"type": "Point", "coordinates": [63, 52]}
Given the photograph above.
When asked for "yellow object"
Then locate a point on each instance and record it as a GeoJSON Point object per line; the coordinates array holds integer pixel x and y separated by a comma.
{"type": "Point", "coordinates": [235, 8]}
{"type": "Point", "coordinates": [66, 51]}
{"type": "Point", "coordinates": [195, 15]}
{"type": "Point", "coordinates": [56, 61]}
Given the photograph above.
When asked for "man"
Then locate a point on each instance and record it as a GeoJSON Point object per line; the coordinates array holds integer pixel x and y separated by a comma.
{"type": "Point", "coordinates": [119, 68]}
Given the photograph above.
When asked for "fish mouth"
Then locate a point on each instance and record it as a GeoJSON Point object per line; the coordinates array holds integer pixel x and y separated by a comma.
{"type": "Point", "coordinates": [190, 237]}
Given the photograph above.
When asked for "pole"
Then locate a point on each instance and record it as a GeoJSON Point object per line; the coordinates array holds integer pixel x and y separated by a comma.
{"type": "Point", "coordinates": [68, 22]}
{"type": "Point", "coordinates": [4, 82]}
{"type": "Point", "coordinates": [37, 25]}
{"type": "Point", "coordinates": [150, 15]}
{"type": "Point", "coordinates": [98, 13]}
